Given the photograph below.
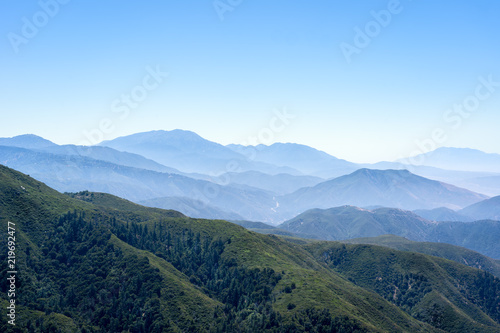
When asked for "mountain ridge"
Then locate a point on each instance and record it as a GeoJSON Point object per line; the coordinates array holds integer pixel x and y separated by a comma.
{"type": "Point", "coordinates": [189, 152]}
{"type": "Point", "coordinates": [27, 141]}
{"type": "Point", "coordinates": [347, 222]}
{"type": "Point", "coordinates": [466, 159]}
{"type": "Point", "coordinates": [388, 188]}
{"type": "Point", "coordinates": [278, 196]}
{"type": "Point", "coordinates": [484, 210]}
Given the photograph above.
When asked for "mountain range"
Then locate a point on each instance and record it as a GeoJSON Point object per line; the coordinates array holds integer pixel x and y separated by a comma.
{"type": "Point", "coordinates": [29, 141]}
{"type": "Point", "coordinates": [487, 183]}
{"type": "Point", "coordinates": [182, 171]}
{"type": "Point", "coordinates": [189, 152]}
{"type": "Point", "coordinates": [388, 188]}
{"type": "Point", "coordinates": [72, 173]}
{"type": "Point", "coordinates": [348, 222]}
{"type": "Point", "coordinates": [95, 262]}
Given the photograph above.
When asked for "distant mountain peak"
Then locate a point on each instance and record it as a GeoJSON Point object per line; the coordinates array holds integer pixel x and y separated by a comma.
{"type": "Point", "coordinates": [177, 132]}
{"type": "Point", "coordinates": [180, 149]}
{"type": "Point", "coordinates": [459, 159]}
{"type": "Point", "coordinates": [306, 159]}
{"type": "Point", "coordinates": [158, 136]}
{"type": "Point", "coordinates": [376, 176]}
{"type": "Point", "coordinates": [387, 188]}
{"type": "Point", "coordinates": [29, 141]}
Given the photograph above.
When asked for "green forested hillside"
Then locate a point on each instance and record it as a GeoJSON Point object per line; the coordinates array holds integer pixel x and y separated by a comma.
{"type": "Point", "coordinates": [451, 297]}
{"type": "Point", "coordinates": [348, 222]}
{"type": "Point", "coordinates": [97, 263]}
{"type": "Point", "coordinates": [443, 250]}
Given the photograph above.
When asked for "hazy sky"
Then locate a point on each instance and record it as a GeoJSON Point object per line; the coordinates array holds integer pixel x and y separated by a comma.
{"type": "Point", "coordinates": [361, 80]}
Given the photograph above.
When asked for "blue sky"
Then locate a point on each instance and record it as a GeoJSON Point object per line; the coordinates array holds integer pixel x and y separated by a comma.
{"type": "Point", "coordinates": [67, 68]}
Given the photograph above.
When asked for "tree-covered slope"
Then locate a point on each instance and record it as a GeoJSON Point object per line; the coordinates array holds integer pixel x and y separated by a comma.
{"type": "Point", "coordinates": [443, 250]}
{"type": "Point", "coordinates": [447, 295]}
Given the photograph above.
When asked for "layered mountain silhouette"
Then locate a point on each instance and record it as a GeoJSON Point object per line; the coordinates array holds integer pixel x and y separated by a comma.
{"type": "Point", "coordinates": [72, 173]}
{"type": "Point", "coordinates": [189, 152]}
{"type": "Point", "coordinates": [347, 222]}
{"type": "Point", "coordinates": [388, 188]}
{"type": "Point", "coordinates": [263, 183]}
{"type": "Point", "coordinates": [483, 182]}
